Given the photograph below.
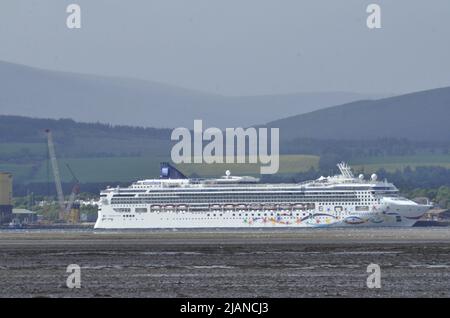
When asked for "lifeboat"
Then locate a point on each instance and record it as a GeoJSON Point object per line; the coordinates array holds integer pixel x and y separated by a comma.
{"type": "Point", "coordinates": [269, 207]}
{"type": "Point", "coordinates": [229, 207]}
{"type": "Point", "coordinates": [299, 207]}
{"type": "Point", "coordinates": [285, 207]}
{"type": "Point", "coordinates": [155, 208]}
{"type": "Point", "coordinates": [242, 207]}
{"type": "Point", "coordinates": [354, 220]}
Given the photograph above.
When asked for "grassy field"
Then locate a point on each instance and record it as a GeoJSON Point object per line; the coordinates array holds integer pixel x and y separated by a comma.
{"type": "Point", "coordinates": [18, 148]}
{"type": "Point", "coordinates": [19, 171]}
{"type": "Point", "coordinates": [400, 162]}
{"type": "Point", "coordinates": [104, 169]}
{"type": "Point", "coordinates": [131, 168]}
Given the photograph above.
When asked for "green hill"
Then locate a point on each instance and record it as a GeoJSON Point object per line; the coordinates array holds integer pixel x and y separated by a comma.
{"type": "Point", "coordinates": [357, 132]}
{"type": "Point", "coordinates": [23, 138]}
{"type": "Point", "coordinates": [421, 116]}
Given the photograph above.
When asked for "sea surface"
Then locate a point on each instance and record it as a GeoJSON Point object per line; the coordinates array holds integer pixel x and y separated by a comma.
{"type": "Point", "coordinates": [414, 262]}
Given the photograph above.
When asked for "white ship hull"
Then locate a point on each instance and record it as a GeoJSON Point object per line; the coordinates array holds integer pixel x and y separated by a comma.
{"type": "Point", "coordinates": [406, 217]}
{"type": "Point", "coordinates": [155, 222]}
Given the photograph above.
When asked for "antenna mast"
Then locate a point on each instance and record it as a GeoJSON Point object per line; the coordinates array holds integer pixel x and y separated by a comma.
{"type": "Point", "coordinates": [345, 170]}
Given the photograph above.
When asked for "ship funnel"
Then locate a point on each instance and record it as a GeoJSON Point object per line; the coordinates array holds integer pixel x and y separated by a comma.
{"type": "Point", "coordinates": [167, 171]}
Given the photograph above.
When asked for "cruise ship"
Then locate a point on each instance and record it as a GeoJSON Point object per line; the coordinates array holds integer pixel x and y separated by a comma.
{"type": "Point", "coordinates": [175, 201]}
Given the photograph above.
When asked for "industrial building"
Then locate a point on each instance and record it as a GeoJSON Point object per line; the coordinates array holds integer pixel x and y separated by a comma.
{"type": "Point", "coordinates": [23, 216]}
{"type": "Point", "coordinates": [6, 181]}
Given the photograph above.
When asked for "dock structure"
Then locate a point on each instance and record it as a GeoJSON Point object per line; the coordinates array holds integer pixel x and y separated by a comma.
{"type": "Point", "coordinates": [6, 180]}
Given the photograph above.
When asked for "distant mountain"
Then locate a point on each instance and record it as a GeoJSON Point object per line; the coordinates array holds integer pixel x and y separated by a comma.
{"type": "Point", "coordinates": [33, 92]}
{"type": "Point", "coordinates": [421, 116]}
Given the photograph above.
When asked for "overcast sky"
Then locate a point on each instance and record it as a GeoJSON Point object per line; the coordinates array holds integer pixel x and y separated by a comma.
{"type": "Point", "coordinates": [238, 47]}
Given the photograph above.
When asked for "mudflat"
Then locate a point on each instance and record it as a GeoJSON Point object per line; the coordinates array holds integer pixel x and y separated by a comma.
{"type": "Point", "coordinates": [414, 262]}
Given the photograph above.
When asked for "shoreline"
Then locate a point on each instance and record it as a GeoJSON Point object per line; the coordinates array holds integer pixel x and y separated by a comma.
{"type": "Point", "coordinates": [228, 236]}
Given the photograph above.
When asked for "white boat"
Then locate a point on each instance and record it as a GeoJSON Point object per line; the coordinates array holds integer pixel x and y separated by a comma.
{"type": "Point", "coordinates": [243, 202]}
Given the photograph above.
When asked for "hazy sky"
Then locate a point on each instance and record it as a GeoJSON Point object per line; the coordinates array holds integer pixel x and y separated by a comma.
{"type": "Point", "coordinates": [238, 47]}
